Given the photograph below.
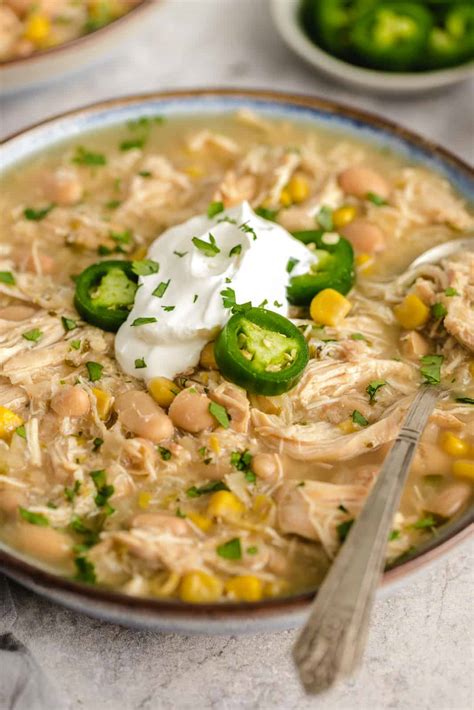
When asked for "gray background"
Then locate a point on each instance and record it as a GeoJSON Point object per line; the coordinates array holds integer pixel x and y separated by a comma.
{"type": "Point", "coordinates": [420, 652]}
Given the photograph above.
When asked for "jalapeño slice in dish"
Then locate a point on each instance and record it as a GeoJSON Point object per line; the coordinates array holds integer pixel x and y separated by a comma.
{"type": "Point", "coordinates": [261, 351]}
{"type": "Point", "coordinates": [334, 267]}
{"type": "Point", "coordinates": [105, 293]}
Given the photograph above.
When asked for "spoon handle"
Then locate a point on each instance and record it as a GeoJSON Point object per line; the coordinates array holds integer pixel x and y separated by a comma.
{"type": "Point", "coordinates": [333, 639]}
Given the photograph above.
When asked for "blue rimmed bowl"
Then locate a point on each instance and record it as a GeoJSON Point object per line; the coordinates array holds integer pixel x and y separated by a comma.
{"type": "Point", "coordinates": [268, 615]}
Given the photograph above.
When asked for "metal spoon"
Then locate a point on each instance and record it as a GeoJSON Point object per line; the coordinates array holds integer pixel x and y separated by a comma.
{"type": "Point", "coordinates": [334, 637]}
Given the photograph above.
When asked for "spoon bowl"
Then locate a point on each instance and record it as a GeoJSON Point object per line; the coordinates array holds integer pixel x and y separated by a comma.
{"type": "Point", "coordinates": [442, 251]}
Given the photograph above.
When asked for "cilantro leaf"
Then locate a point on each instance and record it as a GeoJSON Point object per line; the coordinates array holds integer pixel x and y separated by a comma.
{"type": "Point", "coordinates": [160, 290]}
{"type": "Point", "coordinates": [68, 323]}
{"type": "Point", "coordinates": [465, 400]}
{"type": "Point", "coordinates": [164, 453]}
{"type": "Point", "coordinates": [6, 277]}
{"type": "Point", "coordinates": [215, 208]}
{"type": "Point", "coordinates": [209, 248]}
{"type": "Point", "coordinates": [37, 215]}
{"type": "Point", "coordinates": [34, 518]}
{"type": "Point", "coordinates": [230, 550]}
{"type": "Point", "coordinates": [271, 215]}
{"type": "Point", "coordinates": [235, 250]}
{"type": "Point", "coordinates": [140, 363]}
{"type": "Point", "coordinates": [85, 571]}
{"type": "Point", "coordinates": [291, 264]}
{"type": "Point", "coordinates": [144, 321]}
{"type": "Point", "coordinates": [132, 143]}
{"type": "Point", "coordinates": [21, 431]}
{"type": "Point", "coordinates": [376, 199]}
{"type": "Point", "coordinates": [438, 310]}
{"type": "Point", "coordinates": [359, 418]}
{"type": "Point", "coordinates": [450, 291]}
{"type": "Point", "coordinates": [180, 253]}
{"type": "Point", "coordinates": [220, 414]}
{"type": "Point", "coordinates": [94, 370]}
{"type": "Point", "coordinates": [32, 335]}
{"type": "Point", "coordinates": [86, 157]}
{"type": "Point", "coordinates": [373, 387]}
{"type": "Point", "coordinates": [324, 219]}
{"type": "Point", "coordinates": [343, 529]}
{"type": "Point", "coordinates": [431, 369]}
{"type": "Point", "coordinates": [195, 492]}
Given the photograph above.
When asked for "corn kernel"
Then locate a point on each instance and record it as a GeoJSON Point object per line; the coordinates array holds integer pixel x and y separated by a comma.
{"type": "Point", "coordinates": [347, 427]}
{"type": "Point", "coordinates": [165, 585]}
{"type": "Point", "coordinates": [9, 421]}
{"type": "Point", "coordinates": [471, 369]}
{"type": "Point", "coordinates": [194, 171]}
{"type": "Point", "coordinates": [144, 498]}
{"type": "Point", "coordinates": [329, 307]}
{"type": "Point", "coordinates": [453, 445]}
{"type": "Point", "coordinates": [163, 390]}
{"type": "Point", "coordinates": [214, 444]}
{"type": "Point", "coordinates": [275, 588]}
{"type": "Point", "coordinates": [103, 401]}
{"type": "Point", "coordinates": [464, 468]}
{"type": "Point", "coordinates": [411, 312]}
{"type": "Point", "coordinates": [200, 588]}
{"type": "Point", "coordinates": [298, 189]}
{"type": "Point", "coordinates": [207, 358]}
{"type": "Point", "coordinates": [285, 198]}
{"type": "Point", "coordinates": [201, 521]}
{"type": "Point", "coordinates": [226, 505]}
{"type": "Point", "coordinates": [343, 215]}
{"type": "Point", "coordinates": [261, 505]}
{"type": "Point", "coordinates": [245, 588]}
{"type": "Point", "coordinates": [37, 29]}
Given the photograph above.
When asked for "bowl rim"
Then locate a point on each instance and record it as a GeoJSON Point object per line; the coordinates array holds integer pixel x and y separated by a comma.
{"type": "Point", "coordinates": [77, 41]}
{"type": "Point", "coordinates": [41, 580]}
{"type": "Point", "coordinates": [285, 17]}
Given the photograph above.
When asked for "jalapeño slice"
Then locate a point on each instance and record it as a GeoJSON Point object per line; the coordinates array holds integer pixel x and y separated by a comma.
{"type": "Point", "coordinates": [261, 351]}
{"type": "Point", "coordinates": [333, 269]}
{"type": "Point", "coordinates": [105, 293]}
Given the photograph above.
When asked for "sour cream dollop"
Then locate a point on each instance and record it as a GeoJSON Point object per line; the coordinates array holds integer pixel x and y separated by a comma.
{"type": "Point", "coordinates": [246, 253]}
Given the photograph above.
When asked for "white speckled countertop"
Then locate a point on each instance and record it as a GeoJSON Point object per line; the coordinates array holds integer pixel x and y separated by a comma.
{"type": "Point", "coordinates": [420, 651]}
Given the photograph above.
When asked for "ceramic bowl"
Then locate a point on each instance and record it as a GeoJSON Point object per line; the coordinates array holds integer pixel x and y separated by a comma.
{"type": "Point", "coordinates": [286, 18]}
{"type": "Point", "coordinates": [50, 64]}
{"type": "Point", "coordinates": [228, 618]}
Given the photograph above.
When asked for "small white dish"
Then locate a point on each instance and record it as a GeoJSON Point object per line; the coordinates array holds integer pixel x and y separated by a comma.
{"type": "Point", "coordinates": [42, 67]}
{"type": "Point", "coordinates": [286, 18]}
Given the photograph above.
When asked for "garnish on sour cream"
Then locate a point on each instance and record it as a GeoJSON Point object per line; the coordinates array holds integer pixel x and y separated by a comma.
{"type": "Point", "coordinates": [180, 308]}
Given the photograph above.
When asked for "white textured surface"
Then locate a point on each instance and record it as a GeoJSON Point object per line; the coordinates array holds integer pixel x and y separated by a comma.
{"type": "Point", "coordinates": [420, 654]}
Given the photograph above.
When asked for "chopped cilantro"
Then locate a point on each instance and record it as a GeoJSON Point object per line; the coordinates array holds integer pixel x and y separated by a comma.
{"type": "Point", "coordinates": [465, 400]}
{"type": "Point", "coordinates": [104, 490]}
{"type": "Point", "coordinates": [220, 414]}
{"type": "Point", "coordinates": [358, 336]}
{"type": "Point", "coordinates": [438, 310]}
{"type": "Point", "coordinates": [195, 297]}
{"type": "Point", "coordinates": [450, 291]}
{"type": "Point", "coordinates": [71, 493]}
{"type": "Point", "coordinates": [431, 369]}
{"type": "Point", "coordinates": [144, 321]}
{"type": "Point", "coordinates": [37, 215]}
{"type": "Point", "coordinates": [249, 230]}
{"type": "Point", "coordinates": [241, 460]}
{"type": "Point", "coordinates": [124, 237]}
{"type": "Point", "coordinates": [160, 290]}
{"type": "Point", "coordinates": [34, 518]}
{"type": "Point", "coordinates": [132, 143]}
{"type": "Point", "coordinates": [180, 253]}
{"type": "Point", "coordinates": [164, 453]}
{"type": "Point", "coordinates": [179, 513]}
{"type": "Point", "coordinates": [97, 443]}
{"type": "Point", "coordinates": [359, 418]}
{"type": "Point", "coordinates": [145, 267]}
{"type": "Point", "coordinates": [291, 264]}
{"type": "Point", "coordinates": [86, 157]}
{"type": "Point", "coordinates": [376, 199]}
{"type": "Point", "coordinates": [6, 277]}
{"type": "Point", "coordinates": [145, 173]}
{"type": "Point", "coordinates": [32, 335]}
{"type": "Point", "coordinates": [68, 323]}
{"type": "Point", "coordinates": [228, 301]}
{"type": "Point", "coordinates": [140, 363]}
{"type": "Point", "coordinates": [343, 529]}
{"type": "Point", "coordinates": [394, 535]}
{"type": "Point", "coordinates": [113, 204]}
{"type": "Point", "coordinates": [209, 248]}
{"type": "Point", "coordinates": [195, 492]}
{"type": "Point", "coordinates": [168, 309]}
{"type": "Point", "coordinates": [75, 344]}
{"type": "Point", "coordinates": [264, 212]}
{"type": "Point", "coordinates": [372, 389]}
{"type": "Point", "coordinates": [85, 571]}
{"type": "Point", "coordinates": [235, 250]}
{"type": "Point", "coordinates": [215, 208]}
{"type": "Point", "coordinates": [94, 370]}
{"type": "Point", "coordinates": [144, 122]}
{"type": "Point", "coordinates": [252, 550]}
{"type": "Point", "coordinates": [324, 219]}
{"type": "Point", "coordinates": [230, 550]}
{"type": "Point", "coordinates": [428, 522]}
{"type": "Point", "coordinates": [21, 431]}
{"type": "Point", "coordinates": [277, 304]}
